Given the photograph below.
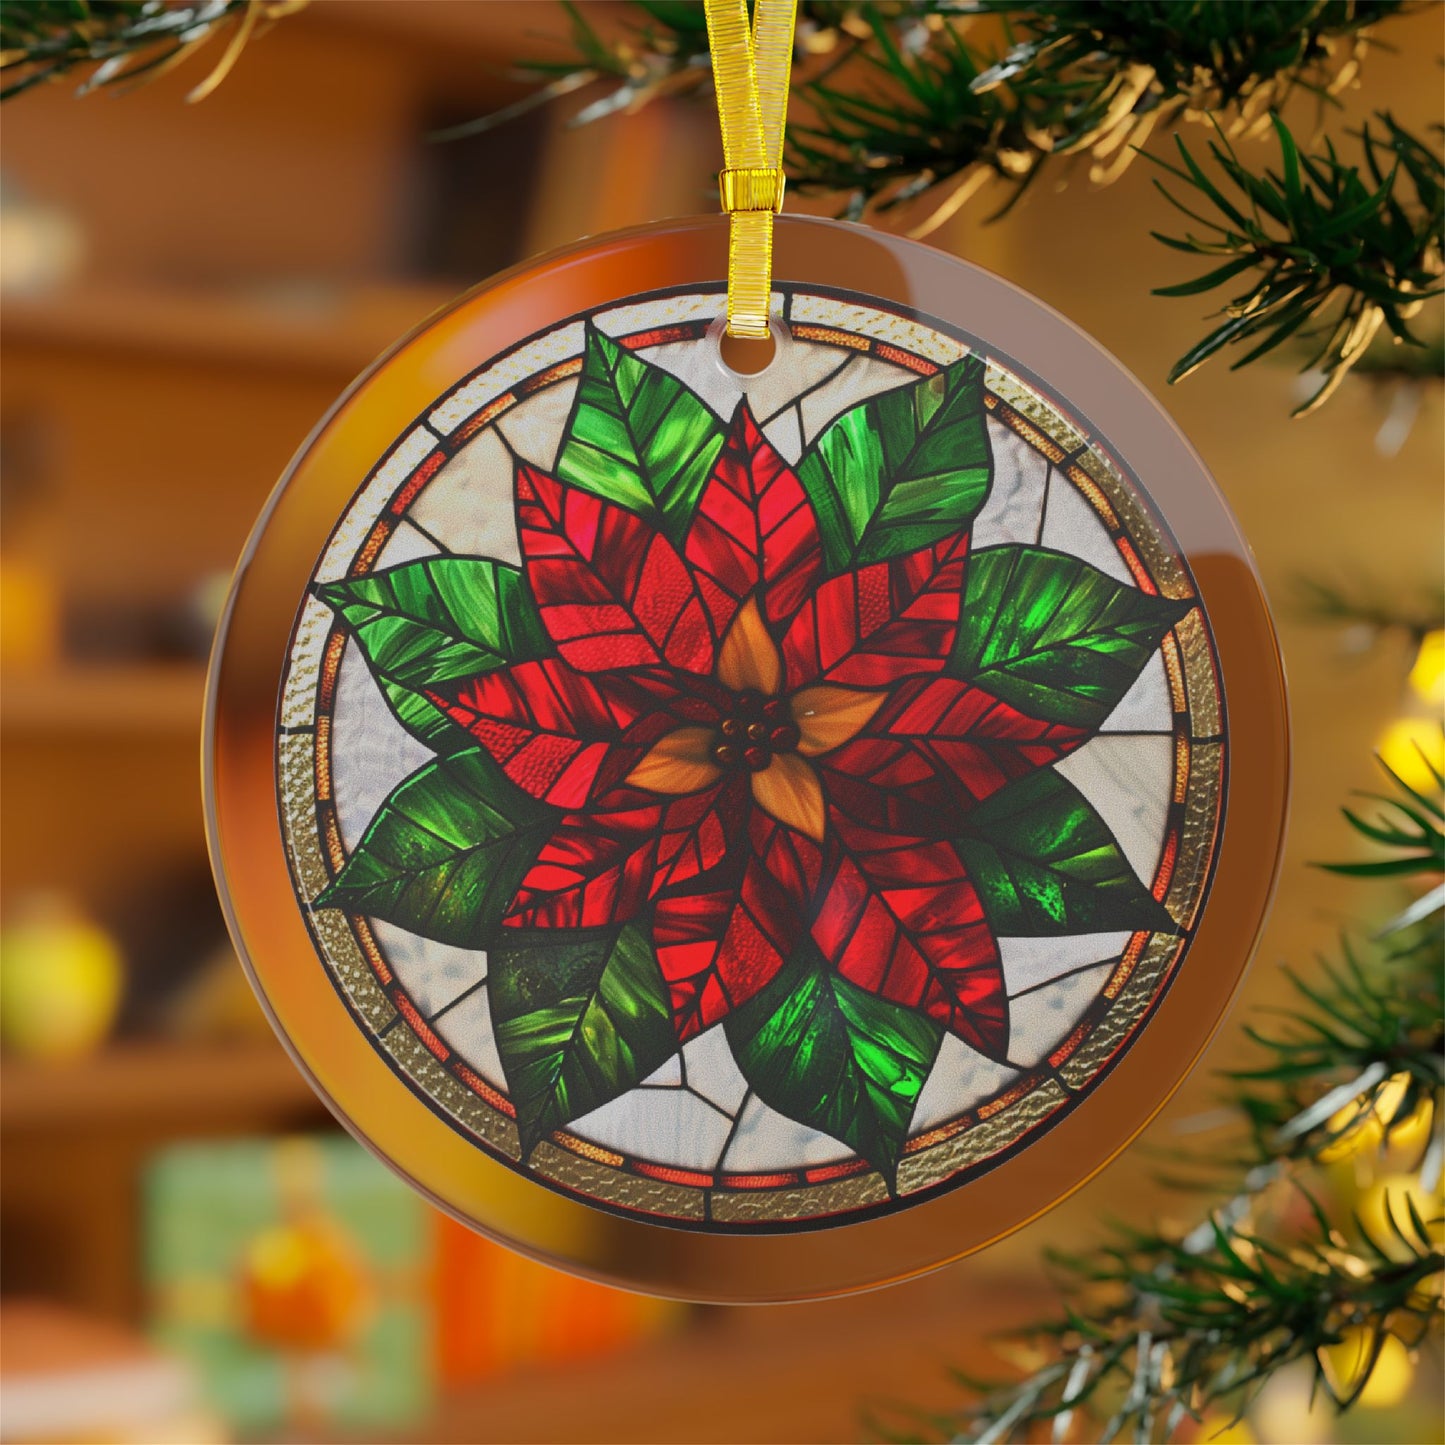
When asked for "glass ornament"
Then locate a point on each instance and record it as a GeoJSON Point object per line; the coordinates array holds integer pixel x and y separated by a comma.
{"type": "Point", "coordinates": [671, 815]}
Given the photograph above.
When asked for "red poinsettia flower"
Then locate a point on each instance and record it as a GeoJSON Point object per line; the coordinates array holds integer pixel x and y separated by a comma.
{"type": "Point", "coordinates": [747, 750]}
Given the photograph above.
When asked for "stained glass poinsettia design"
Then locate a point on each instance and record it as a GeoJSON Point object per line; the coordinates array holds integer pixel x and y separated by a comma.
{"type": "Point", "coordinates": [748, 744]}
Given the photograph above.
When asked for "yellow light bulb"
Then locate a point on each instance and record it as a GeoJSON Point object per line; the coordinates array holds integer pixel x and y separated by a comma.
{"type": "Point", "coordinates": [1403, 744]}
{"type": "Point", "coordinates": [1219, 1430]}
{"type": "Point", "coordinates": [1409, 1137]}
{"type": "Point", "coordinates": [1427, 676]}
{"type": "Point", "coordinates": [1289, 1409]}
{"type": "Point", "coordinates": [1390, 1198]}
{"type": "Point", "coordinates": [1360, 1126]}
{"type": "Point", "coordinates": [1357, 1131]}
{"type": "Point", "coordinates": [1390, 1379]}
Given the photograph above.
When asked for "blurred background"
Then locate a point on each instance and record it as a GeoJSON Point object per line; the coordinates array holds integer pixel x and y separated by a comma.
{"type": "Point", "coordinates": [191, 1251]}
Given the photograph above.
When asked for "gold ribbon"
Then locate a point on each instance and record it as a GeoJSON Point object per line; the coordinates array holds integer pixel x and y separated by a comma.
{"type": "Point", "coordinates": [750, 67]}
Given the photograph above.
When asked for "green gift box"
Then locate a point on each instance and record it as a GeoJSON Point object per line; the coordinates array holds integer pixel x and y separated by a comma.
{"type": "Point", "coordinates": [294, 1274]}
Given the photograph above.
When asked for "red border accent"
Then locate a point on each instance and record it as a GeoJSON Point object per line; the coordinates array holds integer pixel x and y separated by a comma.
{"type": "Point", "coordinates": [420, 1027]}
{"type": "Point", "coordinates": [824, 1172]}
{"type": "Point", "coordinates": [418, 479]}
{"type": "Point", "coordinates": [479, 1086]}
{"type": "Point", "coordinates": [689, 1177]}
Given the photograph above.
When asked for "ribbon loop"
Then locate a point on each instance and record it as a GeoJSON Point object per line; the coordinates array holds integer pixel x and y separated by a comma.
{"type": "Point", "coordinates": [755, 188]}
{"type": "Point", "coordinates": [751, 66]}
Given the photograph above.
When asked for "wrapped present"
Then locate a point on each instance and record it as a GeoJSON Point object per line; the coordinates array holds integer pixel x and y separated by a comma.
{"type": "Point", "coordinates": [294, 1274]}
{"type": "Point", "coordinates": [496, 1309]}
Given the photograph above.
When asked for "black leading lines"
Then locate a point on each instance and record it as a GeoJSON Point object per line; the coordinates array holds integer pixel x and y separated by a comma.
{"type": "Point", "coordinates": [1044, 507]}
{"type": "Point", "coordinates": [465, 994]}
{"type": "Point", "coordinates": [1060, 977]}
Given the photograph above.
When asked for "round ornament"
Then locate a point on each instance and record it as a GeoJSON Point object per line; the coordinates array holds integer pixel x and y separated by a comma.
{"type": "Point", "coordinates": [746, 836]}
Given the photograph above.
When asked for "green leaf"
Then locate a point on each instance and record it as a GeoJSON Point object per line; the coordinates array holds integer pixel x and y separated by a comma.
{"type": "Point", "coordinates": [902, 469]}
{"type": "Point", "coordinates": [581, 1016]}
{"type": "Point", "coordinates": [638, 437]}
{"type": "Point", "coordinates": [1052, 635]}
{"type": "Point", "coordinates": [1045, 863]}
{"type": "Point", "coordinates": [445, 853]}
{"type": "Point", "coordinates": [430, 621]}
{"type": "Point", "coordinates": [829, 1055]}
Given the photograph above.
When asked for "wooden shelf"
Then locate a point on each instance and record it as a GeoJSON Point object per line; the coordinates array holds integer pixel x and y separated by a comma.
{"type": "Point", "coordinates": [803, 1373]}
{"type": "Point", "coordinates": [295, 329]}
{"type": "Point", "coordinates": [164, 698]}
{"type": "Point", "coordinates": [156, 1083]}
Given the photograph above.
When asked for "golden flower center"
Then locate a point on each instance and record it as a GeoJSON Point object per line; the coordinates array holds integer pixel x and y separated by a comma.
{"type": "Point", "coordinates": [756, 729]}
{"type": "Point", "coordinates": [769, 735]}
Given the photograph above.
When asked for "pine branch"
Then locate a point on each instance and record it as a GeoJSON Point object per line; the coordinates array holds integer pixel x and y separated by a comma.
{"type": "Point", "coordinates": [1390, 363]}
{"type": "Point", "coordinates": [1333, 249]}
{"type": "Point", "coordinates": [903, 107]}
{"type": "Point", "coordinates": [1095, 76]}
{"type": "Point", "coordinates": [664, 51]}
{"type": "Point", "coordinates": [912, 120]}
{"type": "Point", "coordinates": [1412, 825]}
{"type": "Point", "coordinates": [1113, 59]}
{"type": "Point", "coordinates": [898, 105]}
{"type": "Point", "coordinates": [1158, 1329]}
{"type": "Point", "coordinates": [1204, 1322]}
{"type": "Point", "coordinates": [902, 103]}
{"type": "Point", "coordinates": [1085, 75]}
{"type": "Point", "coordinates": [1362, 606]}
{"type": "Point", "coordinates": [123, 42]}
{"type": "Point", "coordinates": [1370, 1027]}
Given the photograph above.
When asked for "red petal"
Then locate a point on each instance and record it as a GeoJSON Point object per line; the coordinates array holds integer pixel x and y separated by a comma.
{"type": "Point", "coordinates": [600, 867]}
{"type": "Point", "coordinates": [793, 858]}
{"type": "Point", "coordinates": [885, 784]}
{"type": "Point", "coordinates": [974, 741]}
{"type": "Point", "coordinates": [595, 869]}
{"type": "Point", "coordinates": [900, 918]}
{"type": "Point", "coordinates": [678, 695]}
{"type": "Point", "coordinates": [699, 830]}
{"type": "Point", "coordinates": [718, 947]}
{"type": "Point", "coordinates": [753, 526]}
{"type": "Point", "coordinates": [880, 623]}
{"type": "Point", "coordinates": [553, 731]}
{"type": "Point", "coordinates": [612, 591]}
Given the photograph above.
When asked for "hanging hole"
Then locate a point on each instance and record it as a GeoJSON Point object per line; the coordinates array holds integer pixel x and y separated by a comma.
{"type": "Point", "coordinates": [744, 356]}
{"type": "Point", "coordinates": [748, 355]}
